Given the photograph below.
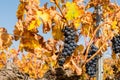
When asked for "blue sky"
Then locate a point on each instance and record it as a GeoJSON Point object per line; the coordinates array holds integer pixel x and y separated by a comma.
{"type": "Point", "coordinates": [8, 10]}
{"type": "Point", "coordinates": [8, 15]}
{"type": "Point", "coordinates": [8, 18]}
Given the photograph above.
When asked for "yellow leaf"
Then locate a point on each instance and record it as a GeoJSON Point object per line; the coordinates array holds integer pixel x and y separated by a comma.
{"type": "Point", "coordinates": [52, 62]}
{"type": "Point", "coordinates": [29, 43]}
{"type": "Point", "coordinates": [114, 23]}
{"type": "Point", "coordinates": [45, 16]}
{"type": "Point", "coordinates": [5, 39]}
{"type": "Point", "coordinates": [3, 57]}
{"type": "Point", "coordinates": [77, 69]}
{"type": "Point", "coordinates": [26, 69]}
{"type": "Point", "coordinates": [34, 24]}
{"type": "Point", "coordinates": [48, 54]}
{"type": "Point", "coordinates": [56, 33]}
{"type": "Point", "coordinates": [1, 65]}
{"type": "Point", "coordinates": [18, 29]}
{"type": "Point", "coordinates": [113, 55]}
{"type": "Point", "coordinates": [86, 29]}
{"type": "Point", "coordinates": [80, 48]}
{"type": "Point", "coordinates": [35, 44]}
{"type": "Point", "coordinates": [73, 10]}
{"type": "Point", "coordinates": [21, 47]}
{"type": "Point", "coordinates": [46, 19]}
{"type": "Point", "coordinates": [76, 23]}
{"type": "Point", "coordinates": [20, 11]}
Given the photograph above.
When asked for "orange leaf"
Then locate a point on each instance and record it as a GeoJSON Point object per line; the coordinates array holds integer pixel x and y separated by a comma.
{"type": "Point", "coordinates": [57, 33]}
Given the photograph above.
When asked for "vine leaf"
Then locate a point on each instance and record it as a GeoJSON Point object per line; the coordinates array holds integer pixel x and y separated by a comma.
{"type": "Point", "coordinates": [5, 39]}
{"type": "Point", "coordinates": [29, 42]}
{"type": "Point", "coordinates": [114, 23]}
{"type": "Point", "coordinates": [76, 23]}
{"type": "Point", "coordinates": [77, 69]}
{"type": "Point", "coordinates": [34, 24]}
{"type": "Point", "coordinates": [73, 11]}
{"type": "Point", "coordinates": [3, 59]}
{"type": "Point", "coordinates": [20, 11]}
{"type": "Point", "coordinates": [113, 55]}
{"type": "Point", "coordinates": [79, 48]}
{"type": "Point", "coordinates": [46, 19]}
{"type": "Point", "coordinates": [57, 33]}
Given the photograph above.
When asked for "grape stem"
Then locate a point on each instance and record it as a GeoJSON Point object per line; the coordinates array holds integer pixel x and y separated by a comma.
{"type": "Point", "coordinates": [91, 41]}
{"type": "Point", "coordinates": [61, 11]}
{"type": "Point", "coordinates": [78, 70]}
{"type": "Point", "coordinates": [96, 52]}
{"type": "Point", "coordinates": [86, 54]}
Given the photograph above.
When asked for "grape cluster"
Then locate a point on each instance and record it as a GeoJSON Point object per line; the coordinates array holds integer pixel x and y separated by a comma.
{"type": "Point", "coordinates": [69, 45]}
{"type": "Point", "coordinates": [116, 44]}
{"type": "Point", "coordinates": [92, 64]}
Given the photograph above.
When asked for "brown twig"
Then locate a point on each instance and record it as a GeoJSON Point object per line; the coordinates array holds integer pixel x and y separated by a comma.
{"type": "Point", "coordinates": [96, 52]}
{"type": "Point", "coordinates": [78, 70]}
{"type": "Point", "coordinates": [94, 33]}
{"type": "Point", "coordinates": [61, 11]}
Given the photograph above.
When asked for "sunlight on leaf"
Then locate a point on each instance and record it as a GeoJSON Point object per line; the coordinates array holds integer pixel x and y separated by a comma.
{"type": "Point", "coordinates": [5, 39]}
{"type": "Point", "coordinates": [73, 10]}
{"type": "Point", "coordinates": [114, 25]}
{"type": "Point", "coordinates": [20, 11]}
{"type": "Point", "coordinates": [77, 23]}
{"type": "Point", "coordinates": [34, 24]}
{"type": "Point", "coordinates": [3, 59]}
{"type": "Point", "coordinates": [46, 20]}
{"type": "Point", "coordinates": [57, 33]}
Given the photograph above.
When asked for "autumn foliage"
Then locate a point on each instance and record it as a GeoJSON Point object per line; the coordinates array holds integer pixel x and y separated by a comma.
{"type": "Point", "coordinates": [36, 55]}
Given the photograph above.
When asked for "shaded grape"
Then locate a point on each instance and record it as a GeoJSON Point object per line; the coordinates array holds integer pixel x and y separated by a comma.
{"type": "Point", "coordinates": [92, 64]}
{"type": "Point", "coordinates": [116, 44]}
{"type": "Point", "coordinates": [69, 44]}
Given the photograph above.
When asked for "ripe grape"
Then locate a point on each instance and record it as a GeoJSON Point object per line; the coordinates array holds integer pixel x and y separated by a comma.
{"type": "Point", "coordinates": [61, 61]}
{"type": "Point", "coordinates": [64, 54]}
{"type": "Point", "coordinates": [116, 44]}
{"type": "Point", "coordinates": [69, 45]}
{"type": "Point", "coordinates": [92, 64]}
{"type": "Point", "coordinates": [66, 45]}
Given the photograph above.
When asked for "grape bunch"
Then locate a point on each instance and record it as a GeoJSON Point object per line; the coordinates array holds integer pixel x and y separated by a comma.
{"type": "Point", "coordinates": [116, 44]}
{"type": "Point", "coordinates": [69, 45]}
{"type": "Point", "coordinates": [92, 64]}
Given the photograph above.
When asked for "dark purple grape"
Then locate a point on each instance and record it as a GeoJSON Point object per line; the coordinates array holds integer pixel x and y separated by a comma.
{"type": "Point", "coordinates": [70, 48]}
{"type": "Point", "coordinates": [72, 31]}
{"type": "Point", "coordinates": [69, 53]}
{"type": "Point", "coordinates": [69, 37]}
{"type": "Point", "coordinates": [67, 28]}
{"type": "Point", "coordinates": [61, 61]}
{"type": "Point", "coordinates": [66, 49]}
{"type": "Point", "coordinates": [66, 45]}
{"type": "Point", "coordinates": [66, 39]}
{"type": "Point", "coordinates": [64, 54]}
{"type": "Point", "coordinates": [91, 65]}
{"type": "Point", "coordinates": [69, 44]}
{"type": "Point", "coordinates": [116, 44]}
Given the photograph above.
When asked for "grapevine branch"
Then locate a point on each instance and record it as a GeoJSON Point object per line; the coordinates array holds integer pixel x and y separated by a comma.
{"type": "Point", "coordinates": [59, 8]}
{"type": "Point", "coordinates": [61, 11]}
{"type": "Point", "coordinates": [96, 52]}
{"type": "Point", "coordinates": [18, 36]}
{"type": "Point", "coordinates": [77, 68]}
{"type": "Point", "coordinates": [86, 54]}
